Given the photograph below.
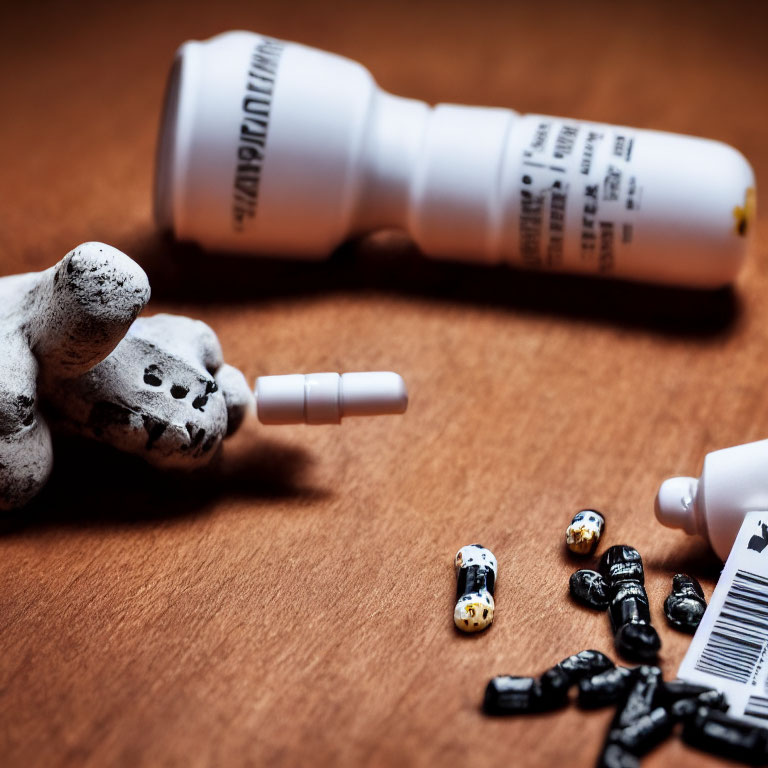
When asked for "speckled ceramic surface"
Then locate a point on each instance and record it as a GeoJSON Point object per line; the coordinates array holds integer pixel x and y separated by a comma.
{"type": "Point", "coordinates": [157, 388]}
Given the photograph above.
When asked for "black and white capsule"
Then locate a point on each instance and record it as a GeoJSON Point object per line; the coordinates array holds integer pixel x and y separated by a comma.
{"type": "Point", "coordinates": [583, 534]}
{"type": "Point", "coordinates": [476, 571]}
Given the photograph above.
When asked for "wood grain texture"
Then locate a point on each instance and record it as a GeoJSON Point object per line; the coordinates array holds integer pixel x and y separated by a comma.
{"type": "Point", "coordinates": [292, 606]}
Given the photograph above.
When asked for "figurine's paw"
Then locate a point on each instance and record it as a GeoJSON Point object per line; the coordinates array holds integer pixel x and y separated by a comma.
{"type": "Point", "coordinates": [237, 395]}
{"type": "Point", "coordinates": [26, 456]}
{"type": "Point", "coordinates": [83, 308]}
{"type": "Point", "coordinates": [163, 394]}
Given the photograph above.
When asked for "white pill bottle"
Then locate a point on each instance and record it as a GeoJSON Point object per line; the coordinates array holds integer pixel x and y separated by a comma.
{"type": "Point", "coordinates": [275, 148]}
{"type": "Point", "coordinates": [733, 481]}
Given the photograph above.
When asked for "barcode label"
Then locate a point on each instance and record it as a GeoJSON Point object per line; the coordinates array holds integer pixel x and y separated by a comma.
{"type": "Point", "coordinates": [739, 634]}
{"type": "Point", "coordinates": [730, 648]}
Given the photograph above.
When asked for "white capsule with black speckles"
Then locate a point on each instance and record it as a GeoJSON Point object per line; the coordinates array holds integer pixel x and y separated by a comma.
{"type": "Point", "coordinates": [476, 572]}
{"type": "Point", "coordinates": [583, 534]}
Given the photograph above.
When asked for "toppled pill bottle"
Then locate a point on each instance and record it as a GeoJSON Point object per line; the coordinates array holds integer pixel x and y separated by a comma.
{"type": "Point", "coordinates": [733, 481]}
{"type": "Point", "coordinates": [269, 147]}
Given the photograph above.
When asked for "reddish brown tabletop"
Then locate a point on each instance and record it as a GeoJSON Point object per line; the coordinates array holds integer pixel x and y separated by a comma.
{"type": "Point", "coordinates": [292, 606]}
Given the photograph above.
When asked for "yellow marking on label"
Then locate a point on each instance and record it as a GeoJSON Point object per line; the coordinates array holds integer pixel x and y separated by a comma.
{"type": "Point", "coordinates": [743, 215]}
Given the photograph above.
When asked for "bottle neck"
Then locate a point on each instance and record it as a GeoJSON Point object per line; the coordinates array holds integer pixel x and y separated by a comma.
{"type": "Point", "coordinates": [434, 172]}
{"type": "Point", "coordinates": [677, 505]}
{"type": "Point", "coordinates": [393, 142]}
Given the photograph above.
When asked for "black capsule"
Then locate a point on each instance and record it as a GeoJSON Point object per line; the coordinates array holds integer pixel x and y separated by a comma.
{"type": "Point", "coordinates": [507, 695]}
{"type": "Point", "coordinates": [604, 689]}
{"type": "Point", "coordinates": [628, 604]}
{"type": "Point", "coordinates": [639, 642]}
{"type": "Point", "coordinates": [714, 700]}
{"type": "Point", "coordinates": [642, 693]}
{"type": "Point", "coordinates": [686, 604]}
{"type": "Point", "coordinates": [615, 756]}
{"type": "Point", "coordinates": [589, 588]}
{"type": "Point", "coordinates": [584, 664]}
{"type": "Point", "coordinates": [634, 636]}
{"type": "Point", "coordinates": [718, 734]}
{"type": "Point", "coordinates": [674, 690]}
{"type": "Point", "coordinates": [621, 563]}
{"type": "Point", "coordinates": [684, 699]}
{"type": "Point", "coordinates": [684, 709]}
{"type": "Point", "coordinates": [641, 736]}
{"type": "Point", "coordinates": [556, 682]}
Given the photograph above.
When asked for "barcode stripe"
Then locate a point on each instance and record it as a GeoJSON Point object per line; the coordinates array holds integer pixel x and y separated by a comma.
{"type": "Point", "coordinates": [756, 578]}
{"type": "Point", "coordinates": [739, 634]}
{"type": "Point", "coordinates": [736, 668]}
{"type": "Point", "coordinates": [757, 706]}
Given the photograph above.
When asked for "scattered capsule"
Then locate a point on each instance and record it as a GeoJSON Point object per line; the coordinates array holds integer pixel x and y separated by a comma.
{"type": "Point", "coordinates": [513, 695]}
{"type": "Point", "coordinates": [615, 756]}
{"type": "Point", "coordinates": [583, 534]}
{"type": "Point", "coordinates": [684, 699]}
{"type": "Point", "coordinates": [645, 733]}
{"type": "Point", "coordinates": [584, 664]}
{"type": "Point", "coordinates": [719, 734]}
{"type": "Point", "coordinates": [556, 682]}
{"type": "Point", "coordinates": [604, 689]}
{"type": "Point", "coordinates": [508, 695]}
{"type": "Point", "coordinates": [568, 672]}
{"type": "Point", "coordinates": [686, 604]}
{"type": "Point", "coordinates": [589, 588]}
{"type": "Point", "coordinates": [476, 571]}
{"type": "Point", "coordinates": [641, 697]}
{"type": "Point", "coordinates": [685, 709]}
{"type": "Point", "coordinates": [634, 636]}
{"type": "Point", "coordinates": [622, 563]}
{"type": "Point", "coordinates": [675, 690]}
{"type": "Point", "coordinates": [713, 700]}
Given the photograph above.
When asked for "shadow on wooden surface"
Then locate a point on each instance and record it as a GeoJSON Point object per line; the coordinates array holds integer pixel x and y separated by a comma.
{"type": "Point", "coordinates": [696, 559]}
{"type": "Point", "coordinates": [93, 485]}
{"type": "Point", "coordinates": [389, 263]}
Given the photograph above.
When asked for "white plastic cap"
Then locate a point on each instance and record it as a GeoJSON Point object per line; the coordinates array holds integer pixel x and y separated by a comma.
{"type": "Point", "coordinates": [676, 503]}
{"type": "Point", "coordinates": [323, 398]}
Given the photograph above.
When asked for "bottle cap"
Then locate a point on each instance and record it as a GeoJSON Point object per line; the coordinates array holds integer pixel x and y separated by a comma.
{"type": "Point", "coordinates": [323, 398]}
{"type": "Point", "coordinates": [676, 503]}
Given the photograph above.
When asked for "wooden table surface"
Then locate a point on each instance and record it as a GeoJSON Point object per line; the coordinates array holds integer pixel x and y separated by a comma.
{"type": "Point", "coordinates": [293, 604]}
